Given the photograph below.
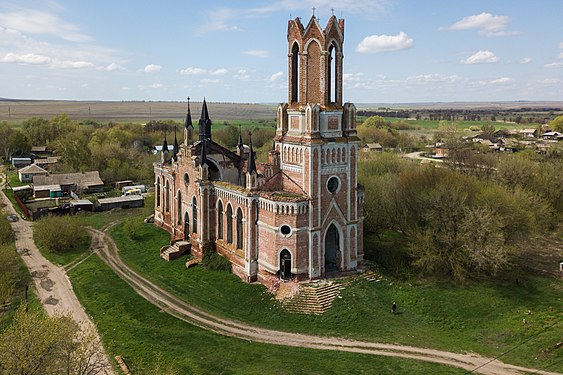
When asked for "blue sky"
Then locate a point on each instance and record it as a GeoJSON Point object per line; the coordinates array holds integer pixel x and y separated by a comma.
{"type": "Point", "coordinates": [236, 51]}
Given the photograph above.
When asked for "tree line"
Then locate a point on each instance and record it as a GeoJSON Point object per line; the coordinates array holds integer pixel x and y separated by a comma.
{"type": "Point", "coordinates": [456, 224]}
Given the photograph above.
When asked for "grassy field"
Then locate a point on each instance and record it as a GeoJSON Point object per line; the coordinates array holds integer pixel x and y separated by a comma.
{"type": "Point", "coordinates": [460, 124]}
{"type": "Point", "coordinates": [484, 317]}
{"type": "Point", "coordinates": [141, 333]}
{"type": "Point", "coordinates": [16, 111]}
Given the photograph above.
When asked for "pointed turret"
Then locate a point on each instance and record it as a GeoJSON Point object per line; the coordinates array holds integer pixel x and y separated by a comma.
{"type": "Point", "coordinates": [164, 152]}
{"type": "Point", "coordinates": [251, 157]}
{"type": "Point", "coordinates": [188, 127]}
{"type": "Point", "coordinates": [240, 145]}
{"type": "Point", "coordinates": [204, 123]}
{"type": "Point", "coordinates": [176, 148]}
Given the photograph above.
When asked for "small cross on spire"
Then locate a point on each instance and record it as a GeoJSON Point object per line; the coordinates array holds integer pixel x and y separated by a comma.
{"type": "Point", "coordinates": [314, 11]}
{"type": "Point", "coordinates": [332, 10]}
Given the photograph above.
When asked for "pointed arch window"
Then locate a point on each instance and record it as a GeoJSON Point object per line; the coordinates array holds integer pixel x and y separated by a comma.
{"type": "Point", "coordinates": [158, 192]}
{"type": "Point", "coordinates": [229, 217]}
{"type": "Point", "coordinates": [179, 207]}
{"type": "Point", "coordinates": [331, 74]}
{"type": "Point", "coordinates": [220, 220]}
{"type": "Point", "coordinates": [295, 73]}
{"type": "Point", "coordinates": [167, 195]}
{"type": "Point", "coordinates": [240, 229]}
{"type": "Point", "coordinates": [194, 215]}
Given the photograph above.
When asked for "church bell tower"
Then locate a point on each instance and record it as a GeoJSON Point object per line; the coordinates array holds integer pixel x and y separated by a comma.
{"type": "Point", "coordinates": [317, 143]}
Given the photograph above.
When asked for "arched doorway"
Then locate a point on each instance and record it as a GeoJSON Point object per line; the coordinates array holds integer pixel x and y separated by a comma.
{"type": "Point", "coordinates": [285, 265]}
{"type": "Point", "coordinates": [332, 249]}
{"type": "Point", "coordinates": [186, 226]}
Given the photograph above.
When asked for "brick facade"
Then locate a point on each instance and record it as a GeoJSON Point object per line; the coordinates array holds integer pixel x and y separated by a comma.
{"type": "Point", "coordinates": [305, 202]}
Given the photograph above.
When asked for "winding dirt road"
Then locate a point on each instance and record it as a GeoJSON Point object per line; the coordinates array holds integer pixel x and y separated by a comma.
{"type": "Point", "coordinates": [108, 252]}
{"type": "Point", "coordinates": [52, 286]}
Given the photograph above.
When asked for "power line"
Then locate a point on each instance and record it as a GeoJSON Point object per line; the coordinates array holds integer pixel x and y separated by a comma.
{"type": "Point", "coordinates": [513, 348]}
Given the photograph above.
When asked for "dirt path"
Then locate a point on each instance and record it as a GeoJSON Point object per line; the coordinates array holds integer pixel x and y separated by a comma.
{"type": "Point", "coordinates": [168, 302]}
{"type": "Point", "coordinates": [52, 285]}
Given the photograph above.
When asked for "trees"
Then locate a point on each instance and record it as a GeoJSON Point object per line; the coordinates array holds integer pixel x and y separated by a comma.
{"type": "Point", "coordinates": [59, 233]}
{"type": "Point", "coordinates": [36, 344]}
{"type": "Point", "coordinates": [557, 124]}
{"type": "Point", "coordinates": [375, 122]}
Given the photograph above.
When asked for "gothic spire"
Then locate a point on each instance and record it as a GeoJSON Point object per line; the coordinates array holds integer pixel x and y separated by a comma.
{"type": "Point", "coordinates": [176, 147]}
{"type": "Point", "coordinates": [251, 156]}
{"type": "Point", "coordinates": [204, 123]}
{"type": "Point", "coordinates": [240, 145]}
{"type": "Point", "coordinates": [165, 143]}
{"type": "Point", "coordinates": [188, 122]}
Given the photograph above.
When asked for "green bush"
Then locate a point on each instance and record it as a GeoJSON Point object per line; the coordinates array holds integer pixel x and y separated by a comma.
{"type": "Point", "coordinates": [214, 261]}
{"type": "Point", "coordinates": [6, 233]}
{"type": "Point", "coordinates": [134, 229]}
{"type": "Point", "coordinates": [60, 233]}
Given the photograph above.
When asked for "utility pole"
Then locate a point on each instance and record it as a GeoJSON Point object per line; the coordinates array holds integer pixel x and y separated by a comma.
{"type": "Point", "coordinates": [9, 112]}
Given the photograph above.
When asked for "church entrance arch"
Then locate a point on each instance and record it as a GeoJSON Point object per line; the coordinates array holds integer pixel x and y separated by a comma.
{"type": "Point", "coordinates": [285, 264]}
{"type": "Point", "coordinates": [186, 226]}
{"type": "Point", "coordinates": [332, 249]}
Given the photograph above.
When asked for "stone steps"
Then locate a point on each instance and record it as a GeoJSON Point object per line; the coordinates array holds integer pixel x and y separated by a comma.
{"type": "Point", "coordinates": [171, 252]}
{"type": "Point", "coordinates": [318, 298]}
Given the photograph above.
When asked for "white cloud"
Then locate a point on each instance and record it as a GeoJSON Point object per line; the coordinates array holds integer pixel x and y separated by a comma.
{"type": "Point", "coordinates": [113, 67]}
{"type": "Point", "coordinates": [219, 20]}
{"type": "Point", "coordinates": [276, 76]}
{"type": "Point", "coordinates": [157, 86]}
{"type": "Point", "coordinates": [432, 78]}
{"type": "Point", "coordinates": [550, 81]}
{"type": "Point", "coordinates": [29, 58]}
{"type": "Point", "coordinates": [526, 60]}
{"type": "Point", "coordinates": [560, 56]}
{"type": "Point", "coordinates": [192, 71]}
{"type": "Point", "coordinates": [352, 77]}
{"type": "Point", "coordinates": [384, 43]}
{"type": "Point", "coordinates": [481, 57]}
{"type": "Point", "coordinates": [560, 45]}
{"type": "Point", "coordinates": [73, 64]}
{"type": "Point", "coordinates": [554, 65]}
{"type": "Point", "coordinates": [486, 23]}
{"type": "Point", "coordinates": [209, 80]}
{"type": "Point", "coordinates": [502, 81]}
{"type": "Point", "coordinates": [34, 59]}
{"type": "Point", "coordinates": [32, 21]}
{"type": "Point", "coordinates": [258, 53]}
{"type": "Point", "coordinates": [242, 74]}
{"type": "Point", "coordinates": [152, 68]}
{"type": "Point", "coordinates": [219, 72]}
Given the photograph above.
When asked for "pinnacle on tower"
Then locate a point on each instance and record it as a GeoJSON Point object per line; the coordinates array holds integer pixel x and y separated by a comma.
{"type": "Point", "coordinates": [240, 145]}
{"type": "Point", "coordinates": [251, 156]}
{"type": "Point", "coordinates": [176, 147]}
{"type": "Point", "coordinates": [204, 123]}
{"type": "Point", "coordinates": [203, 153]}
{"type": "Point", "coordinates": [164, 152]}
{"type": "Point", "coordinates": [188, 126]}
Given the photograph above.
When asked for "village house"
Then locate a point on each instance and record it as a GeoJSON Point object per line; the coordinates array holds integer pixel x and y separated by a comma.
{"type": "Point", "coordinates": [369, 147]}
{"type": "Point", "coordinates": [299, 216]}
{"type": "Point", "coordinates": [81, 182]}
{"type": "Point", "coordinates": [26, 174]}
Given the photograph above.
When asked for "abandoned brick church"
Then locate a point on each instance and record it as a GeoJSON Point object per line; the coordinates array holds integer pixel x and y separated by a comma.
{"type": "Point", "coordinates": [300, 215]}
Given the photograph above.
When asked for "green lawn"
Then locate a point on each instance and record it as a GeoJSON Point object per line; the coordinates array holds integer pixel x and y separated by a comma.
{"type": "Point", "coordinates": [141, 333]}
{"type": "Point", "coordinates": [485, 317]}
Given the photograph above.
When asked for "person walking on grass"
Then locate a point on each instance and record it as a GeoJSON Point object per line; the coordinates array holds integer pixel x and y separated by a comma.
{"type": "Point", "coordinates": [394, 308]}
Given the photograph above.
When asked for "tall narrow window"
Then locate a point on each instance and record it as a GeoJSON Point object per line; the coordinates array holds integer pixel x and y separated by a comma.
{"type": "Point", "coordinates": [295, 73]}
{"type": "Point", "coordinates": [229, 218]}
{"type": "Point", "coordinates": [240, 230]}
{"type": "Point", "coordinates": [220, 220]}
{"type": "Point", "coordinates": [194, 215]}
{"type": "Point", "coordinates": [158, 192]}
{"type": "Point", "coordinates": [179, 207]}
{"type": "Point", "coordinates": [331, 79]}
{"type": "Point", "coordinates": [167, 199]}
